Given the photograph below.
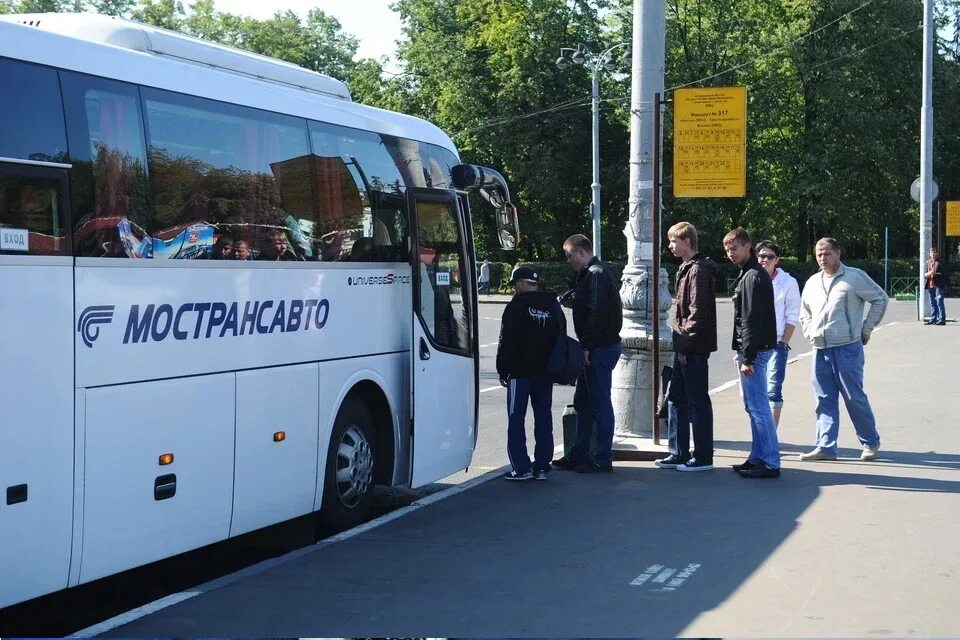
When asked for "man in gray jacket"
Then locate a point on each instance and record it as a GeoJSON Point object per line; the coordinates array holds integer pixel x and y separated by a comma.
{"type": "Point", "coordinates": [831, 314]}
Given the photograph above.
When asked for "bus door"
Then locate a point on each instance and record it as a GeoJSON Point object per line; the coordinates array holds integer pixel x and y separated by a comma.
{"type": "Point", "coordinates": [444, 344]}
{"type": "Point", "coordinates": [36, 380]}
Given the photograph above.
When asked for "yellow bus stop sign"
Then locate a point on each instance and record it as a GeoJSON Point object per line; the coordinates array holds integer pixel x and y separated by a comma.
{"type": "Point", "coordinates": [710, 142]}
{"type": "Point", "coordinates": [953, 218]}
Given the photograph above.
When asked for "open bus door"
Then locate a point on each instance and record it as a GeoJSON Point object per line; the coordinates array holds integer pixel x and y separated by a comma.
{"type": "Point", "coordinates": [444, 337]}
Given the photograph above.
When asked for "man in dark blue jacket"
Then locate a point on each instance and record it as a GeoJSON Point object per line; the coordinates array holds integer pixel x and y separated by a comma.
{"type": "Point", "coordinates": [597, 319]}
{"type": "Point", "coordinates": [754, 340]}
{"type": "Point", "coordinates": [531, 323]}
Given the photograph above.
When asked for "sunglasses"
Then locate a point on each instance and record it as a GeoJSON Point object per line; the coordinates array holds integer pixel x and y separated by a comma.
{"type": "Point", "coordinates": [766, 256]}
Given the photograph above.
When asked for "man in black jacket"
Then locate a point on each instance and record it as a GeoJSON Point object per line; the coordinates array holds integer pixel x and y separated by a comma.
{"type": "Point", "coordinates": [531, 323]}
{"type": "Point", "coordinates": [597, 319]}
{"type": "Point", "coordinates": [754, 340]}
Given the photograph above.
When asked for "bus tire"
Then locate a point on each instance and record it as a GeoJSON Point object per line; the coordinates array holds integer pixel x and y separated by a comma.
{"type": "Point", "coordinates": [349, 471]}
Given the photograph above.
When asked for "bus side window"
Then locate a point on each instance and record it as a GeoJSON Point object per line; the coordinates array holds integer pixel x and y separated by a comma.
{"type": "Point", "coordinates": [31, 128]}
{"type": "Point", "coordinates": [31, 118]}
{"type": "Point", "coordinates": [30, 217]}
{"type": "Point", "coordinates": [361, 210]}
{"type": "Point", "coordinates": [108, 181]}
{"type": "Point", "coordinates": [218, 167]}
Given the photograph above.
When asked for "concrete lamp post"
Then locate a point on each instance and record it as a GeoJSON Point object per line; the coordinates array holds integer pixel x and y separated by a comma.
{"type": "Point", "coordinates": [595, 62]}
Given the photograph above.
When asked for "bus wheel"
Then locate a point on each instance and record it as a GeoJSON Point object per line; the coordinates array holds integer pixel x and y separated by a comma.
{"type": "Point", "coordinates": [348, 480]}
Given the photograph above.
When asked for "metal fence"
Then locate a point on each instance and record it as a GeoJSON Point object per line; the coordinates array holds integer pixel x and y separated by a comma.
{"type": "Point", "coordinates": [903, 286]}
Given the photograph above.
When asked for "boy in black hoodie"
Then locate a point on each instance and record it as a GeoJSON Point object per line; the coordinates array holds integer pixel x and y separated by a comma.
{"type": "Point", "coordinates": [530, 326]}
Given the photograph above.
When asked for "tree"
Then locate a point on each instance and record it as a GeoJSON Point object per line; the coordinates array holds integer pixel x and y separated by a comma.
{"type": "Point", "coordinates": [113, 7]}
{"type": "Point", "coordinates": [168, 14]}
{"type": "Point", "coordinates": [833, 135]}
{"type": "Point", "coordinates": [40, 6]}
{"type": "Point", "coordinates": [484, 71]}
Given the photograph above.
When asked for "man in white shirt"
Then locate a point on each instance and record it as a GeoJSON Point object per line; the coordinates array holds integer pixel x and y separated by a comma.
{"type": "Point", "coordinates": [483, 282]}
{"type": "Point", "coordinates": [786, 303]}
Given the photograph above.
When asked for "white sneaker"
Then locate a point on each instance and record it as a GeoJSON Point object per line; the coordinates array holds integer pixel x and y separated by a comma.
{"type": "Point", "coordinates": [870, 453]}
{"type": "Point", "coordinates": [816, 454]}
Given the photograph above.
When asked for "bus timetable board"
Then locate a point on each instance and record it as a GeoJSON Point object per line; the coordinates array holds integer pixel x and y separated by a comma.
{"type": "Point", "coordinates": [710, 142]}
{"type": "Point", "coordinates": [953, 219]}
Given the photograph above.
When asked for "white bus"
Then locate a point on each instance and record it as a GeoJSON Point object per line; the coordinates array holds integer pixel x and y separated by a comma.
{"type": "Point", "coordinates": [230, 297]}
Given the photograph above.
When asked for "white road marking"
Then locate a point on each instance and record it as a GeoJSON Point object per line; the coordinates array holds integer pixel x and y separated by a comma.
{"type": "Point", "coordinates": [670, 578]}
{"type": "Point", "coordinates": [724, 387]}
{"type": "Point", "coordinates": [651, 571]}
{"type": "Point", "coordinates": [732, 383]}
{"type": "Point", "coordinates": [492, 389]}
{"type": "Point", "coordinates": [490, 344]}
{"type": "Point", "coordinates": [681, 577]}
{"type": "Point", "coordinates": [662, 577]}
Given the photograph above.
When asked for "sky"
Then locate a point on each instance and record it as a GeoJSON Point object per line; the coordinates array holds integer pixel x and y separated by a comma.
{"type": "Point", "coordinates": [372, 22]}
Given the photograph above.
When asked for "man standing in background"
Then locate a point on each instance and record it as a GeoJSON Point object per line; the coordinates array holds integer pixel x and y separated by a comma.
{"type": "Point", "coordinates": [934, 286]}
{"type": "Point", "coordinates": [483, 282]}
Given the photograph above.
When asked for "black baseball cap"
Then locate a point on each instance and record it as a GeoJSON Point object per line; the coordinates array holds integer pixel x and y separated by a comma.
{"type": "Point", "coordinates": [523, 272]}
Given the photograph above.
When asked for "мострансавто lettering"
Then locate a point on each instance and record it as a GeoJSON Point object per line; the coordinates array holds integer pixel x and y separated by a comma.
{"type": "Point", "coordinates": [202, 320]}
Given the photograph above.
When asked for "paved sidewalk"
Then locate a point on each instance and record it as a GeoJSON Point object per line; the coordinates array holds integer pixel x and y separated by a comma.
{"type": "Point", "coordinates": [829, 549]}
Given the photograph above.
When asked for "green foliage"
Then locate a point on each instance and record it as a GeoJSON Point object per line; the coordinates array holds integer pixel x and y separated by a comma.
{"type": "Point", "coordinates": [833, 134]}
{"type": "Point", "coordinates": [168, 14]}
{"type": "Point", "coordinates": [112, 7]}
{"type": "Point", "coordinates": [478, 62]}
{"type": "Point", "coordinates": [37, 6]}
{"type": "Point", "coordinates": [833, 90]}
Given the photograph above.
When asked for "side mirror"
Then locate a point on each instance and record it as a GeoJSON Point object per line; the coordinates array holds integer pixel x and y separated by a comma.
{"type": "Point", "coordinates": [493, 189]}
{"type": "Point", "coordinates": [508, 228]}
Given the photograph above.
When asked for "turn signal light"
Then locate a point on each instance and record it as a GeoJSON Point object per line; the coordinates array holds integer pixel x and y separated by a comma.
{"type": "Point", "coordinates": [166, 459]}
{"type": "Point", "coordinates": [280, 436]}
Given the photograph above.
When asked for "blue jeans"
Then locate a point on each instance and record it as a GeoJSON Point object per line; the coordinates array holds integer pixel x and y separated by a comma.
{"type": "Point", "coordinates": [688, 404]}
{"type": "Point", "coordinates": [764, 447]}
{"type": "Point", "coordinates": [938, 315]}
{"type": "Point", "coordinates": [594, 407]}
{"type": "Point", "coordinates": [776, 372]}
{"type": "Point", "coordinates": [839, 371]}
{"type": "Point", "coordinates": [539, 390]}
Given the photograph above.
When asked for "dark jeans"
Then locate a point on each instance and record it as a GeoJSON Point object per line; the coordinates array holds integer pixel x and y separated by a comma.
{"type": "Point", "coordinates": [689, 403]}
{"type": "Point", "coordinates": [594, 407]}
{"type": "Point", "coordinates": [540, 392]}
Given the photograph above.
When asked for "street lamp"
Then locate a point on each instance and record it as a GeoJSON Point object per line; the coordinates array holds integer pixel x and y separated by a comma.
{"type": "Point", "coordinates": [595, 62]}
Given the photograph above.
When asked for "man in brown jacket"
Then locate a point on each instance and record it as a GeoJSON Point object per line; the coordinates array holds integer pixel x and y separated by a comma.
{"type": "Point", "coordinates": [694, 339]}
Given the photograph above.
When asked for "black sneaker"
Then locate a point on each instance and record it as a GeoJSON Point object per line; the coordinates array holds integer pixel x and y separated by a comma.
{"type": "Point", "coordinates": [518, 477]}
{"type": "Point", "coordinates": [564, 464]}
{"type": "Point", "coordinates": [592, 467]}
{"type": "Point", "coordinates": [746, 465]}
{"type": "Point", "coordinates": [540, 474]}
{"type": "Point", "coordinates": [670, 462]}
{"type": "Point", "coordinates": [695, 465]}
{"type": "Point", "coordinates": [760, 470]}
